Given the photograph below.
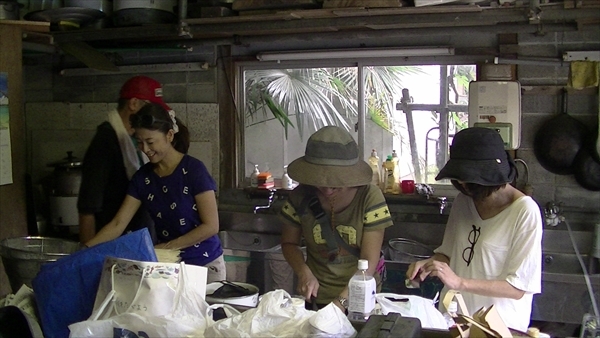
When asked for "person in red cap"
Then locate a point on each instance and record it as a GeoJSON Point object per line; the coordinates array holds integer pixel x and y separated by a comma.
{"type": "Point", "coordinates": [111, 160]}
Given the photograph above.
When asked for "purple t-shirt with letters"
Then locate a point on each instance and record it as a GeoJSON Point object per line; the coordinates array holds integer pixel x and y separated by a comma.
{"type": "Point", "coordinates": [171, 203]}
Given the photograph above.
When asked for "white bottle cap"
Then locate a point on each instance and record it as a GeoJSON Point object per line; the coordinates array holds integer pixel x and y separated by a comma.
{"type": "Point", "coordinates": [453, 306]}
{"type": "Point", "coordinates": [363, 264]}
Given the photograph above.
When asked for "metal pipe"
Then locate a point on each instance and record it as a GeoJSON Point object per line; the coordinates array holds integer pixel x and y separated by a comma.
{"type": "Point", "coordinates": [183, 28]}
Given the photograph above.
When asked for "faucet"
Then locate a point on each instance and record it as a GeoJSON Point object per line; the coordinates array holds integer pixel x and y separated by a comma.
{"type": "Point", "coordinates": [271, 198]}
{"type": "Point", "coordinates": [551, 213]}
{"type": "Point", "coordinates": [443, 202]}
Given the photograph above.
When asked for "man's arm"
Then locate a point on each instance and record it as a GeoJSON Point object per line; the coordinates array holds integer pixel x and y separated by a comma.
{"type": "Point", "coordinates": [87, 227]}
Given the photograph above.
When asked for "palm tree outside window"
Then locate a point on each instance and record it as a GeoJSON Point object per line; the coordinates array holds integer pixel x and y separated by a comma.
{"type": "Point", "coordinates": [414, 110]}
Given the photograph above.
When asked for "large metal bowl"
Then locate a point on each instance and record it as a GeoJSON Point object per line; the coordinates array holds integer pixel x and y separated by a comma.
{"type": "Point", "coordinates": [24, 256]}
{"type": "Point", "coordinates": [406, 250]}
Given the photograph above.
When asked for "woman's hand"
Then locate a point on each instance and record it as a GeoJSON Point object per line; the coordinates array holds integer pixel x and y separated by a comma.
{"type": "Point", "coordinates": [431, 267]}
{"type": "Point", "coordinates": [414, 269]}
{"type": "Point", "coordinates": [308, 286]}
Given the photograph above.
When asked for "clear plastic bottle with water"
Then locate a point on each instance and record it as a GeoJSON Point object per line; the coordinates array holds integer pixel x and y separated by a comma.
{"type": "Point", "coordinates": [361, 293]}
{"type": "Point", "coordinates": [450, 314]}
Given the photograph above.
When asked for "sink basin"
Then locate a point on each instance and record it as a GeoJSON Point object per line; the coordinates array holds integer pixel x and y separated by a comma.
{"type": "Point", "coordinates": [247, 222]}
{"type": "Point", "coordinates": [249, 241]}
{"type": "Point", "coordinates": [565, 263]}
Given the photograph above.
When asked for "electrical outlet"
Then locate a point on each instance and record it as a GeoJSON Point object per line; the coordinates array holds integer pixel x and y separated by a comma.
{"type": "Point", "coordinates": [504, 129]}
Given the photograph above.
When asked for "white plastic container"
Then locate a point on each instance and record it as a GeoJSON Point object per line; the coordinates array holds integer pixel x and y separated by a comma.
{"type": "Point", "coordinates": [254, 177]}
{"type": "Point", "coordinates": [450, 314]}
{"type": "Point", "coordinates": [286, 181]}
{"type": "Point", "coordinates": [361, 293]}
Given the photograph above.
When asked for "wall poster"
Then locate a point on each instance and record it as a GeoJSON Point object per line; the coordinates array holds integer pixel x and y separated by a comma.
{"type": "Point", "coordinates": [5, 150]}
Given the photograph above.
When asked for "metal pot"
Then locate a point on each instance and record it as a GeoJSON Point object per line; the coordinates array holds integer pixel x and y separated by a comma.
{"type": "Point", "coordinates": [163, 5]}
{"type": "Point", "coordinates": [105, 6]}
{"type": "Point", "coordinates": [406, 250]}
{"type": "Point", "coordinates": [66, 176]}
{"type": "Point", "coordinates": [143, 12]}
{"type": "Point", "coordinates": [558, 141]}
{"type": "Point", "coordinates": [9, 10]}
{"type": "Point", "coordinates": [41, 5]}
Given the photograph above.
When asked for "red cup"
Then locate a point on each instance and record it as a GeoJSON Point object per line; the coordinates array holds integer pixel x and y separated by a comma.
{"type": "Point", "coordinates": [407, 186]}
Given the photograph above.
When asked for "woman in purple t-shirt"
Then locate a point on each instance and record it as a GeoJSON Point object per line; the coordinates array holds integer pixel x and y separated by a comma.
{"type": "Point", "coordinates": [176, 189]}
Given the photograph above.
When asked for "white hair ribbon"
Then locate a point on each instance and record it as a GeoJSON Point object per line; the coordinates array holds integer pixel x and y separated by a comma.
{"type": "Point", "coordinates": [175, 126]}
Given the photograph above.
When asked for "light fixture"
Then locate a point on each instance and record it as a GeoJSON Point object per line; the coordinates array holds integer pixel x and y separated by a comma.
{"type": "Point", "coordinates": [139, 69]}
{"type": "Point", "coordinates": [354, 53]}
{"type": "Point", "coordinates": [531, 62]}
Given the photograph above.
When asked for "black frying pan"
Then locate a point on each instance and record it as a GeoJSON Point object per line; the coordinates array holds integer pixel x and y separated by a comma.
{"type": "Point", "coordinates": [558, 141]}
{"type": "Point", "coordinates": [586, 166]}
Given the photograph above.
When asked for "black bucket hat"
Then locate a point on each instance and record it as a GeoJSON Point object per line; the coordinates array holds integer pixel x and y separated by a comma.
{"type": "Point", "coordinates": [477, 155]}
{"type": "Point", "coordinates": [331, 160]}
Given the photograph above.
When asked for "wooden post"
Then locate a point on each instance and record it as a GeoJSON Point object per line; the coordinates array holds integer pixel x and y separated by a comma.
{"type": "Point", "coordinates": [13, 214]}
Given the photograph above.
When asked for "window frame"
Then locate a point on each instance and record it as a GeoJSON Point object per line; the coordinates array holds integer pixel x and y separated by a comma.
{"type": "Point", "coordinates": [241, 66]}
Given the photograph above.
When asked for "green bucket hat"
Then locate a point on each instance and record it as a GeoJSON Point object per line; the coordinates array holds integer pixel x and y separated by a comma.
{"type": "Point", "coordinates": [331, 160]}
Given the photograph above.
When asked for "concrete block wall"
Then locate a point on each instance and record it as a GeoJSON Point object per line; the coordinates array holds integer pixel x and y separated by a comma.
{"type": "Point", "coordinates": [62, 112]}
{"type": "Point", "coordinates": [44, 84]}
{"type": "Point", "coordinates": [581, 207]}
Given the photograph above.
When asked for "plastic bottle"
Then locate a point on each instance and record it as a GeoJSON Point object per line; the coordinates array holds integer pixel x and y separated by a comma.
{"type": "Point", "coordinates": [254, 177]}
{"type": "Point", "coordinates": [374, 163]}
{"type": "Point", "coordinates": [286, 181]}
{"type": "Point", "coordinates": [361, 293]}
{"type": "Point", "coordinates": [396, 161]}
{"type": "Point", "coordinates": [450, 314]}
{"type": "Point", "coordinates": [392, 185]}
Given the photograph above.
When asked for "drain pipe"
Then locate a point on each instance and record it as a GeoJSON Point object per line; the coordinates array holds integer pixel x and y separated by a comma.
{"type": "Point", "coordinates": [183, 29]}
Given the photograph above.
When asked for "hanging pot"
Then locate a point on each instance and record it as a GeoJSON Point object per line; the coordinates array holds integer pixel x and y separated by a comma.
{"type": "Point", "coordinates": [587, 170]}
{"type": "Point", "coordinates": [587, 162]}
{"type": "Point", "coordinates": [558, 141]}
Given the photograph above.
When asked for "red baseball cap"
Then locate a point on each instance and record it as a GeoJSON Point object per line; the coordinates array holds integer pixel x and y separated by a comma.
{"type": "Point", "coordinates": [143, 88]}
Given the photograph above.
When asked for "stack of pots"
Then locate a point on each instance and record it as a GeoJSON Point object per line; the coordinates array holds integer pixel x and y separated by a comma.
{"type": "Point", "coordinates": [9, 10]}
{"type": "Point", "coordinates": [143, 12]}
{"type": "Point", "coordinates": [64, 190]}
{"type": "Point", "coordinates": [564, 146]}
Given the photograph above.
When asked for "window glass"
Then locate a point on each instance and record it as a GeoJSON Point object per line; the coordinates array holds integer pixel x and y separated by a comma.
{"type": "Point", "coordinates": [404, 108]}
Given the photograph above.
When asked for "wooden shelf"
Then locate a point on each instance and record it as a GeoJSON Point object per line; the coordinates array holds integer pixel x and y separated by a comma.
{"type": "Point", "coordinates": [28, 26]}
{"type": "Point", "coordinates": [335, 21]}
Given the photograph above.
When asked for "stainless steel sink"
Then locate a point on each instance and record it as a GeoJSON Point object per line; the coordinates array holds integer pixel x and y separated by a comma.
{"type": "Point", "coordinates": [248, 222]}
{"type": "Point", "coordinates": [250, 241]}
{"type": "Point", "coordinates": [565, 263]}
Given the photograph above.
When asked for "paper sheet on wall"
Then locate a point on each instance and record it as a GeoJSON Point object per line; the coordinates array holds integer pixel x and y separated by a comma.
{"type": "Point", "coordinates": [5, 149]}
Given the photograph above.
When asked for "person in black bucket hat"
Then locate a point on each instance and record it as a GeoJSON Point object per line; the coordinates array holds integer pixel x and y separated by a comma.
{"type": "Point", "coordinates": [492, 246]}
{"type": "Point", "coordinates": [335, 198]}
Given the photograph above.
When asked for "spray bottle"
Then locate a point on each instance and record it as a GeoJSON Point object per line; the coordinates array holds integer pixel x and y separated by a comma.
{"type": "Point", "coordinates": [374, 163]}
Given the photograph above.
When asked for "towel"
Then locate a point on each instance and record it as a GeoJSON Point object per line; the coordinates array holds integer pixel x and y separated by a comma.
{"type": "Point", "coordinates": [132, 158]}
{"type": "Point", "coordinates": [584, 74]}
{"type": "Point", "coordinates": [598, 137]}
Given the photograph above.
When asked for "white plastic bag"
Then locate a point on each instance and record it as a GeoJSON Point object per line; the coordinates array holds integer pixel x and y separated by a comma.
{"type": "Point", "coordinates": [147, 288]}
{"type": "Point", "coordinates": [185, 318]}
{"type": "Point", "coordinates": [329, 322]}
{"type": "Point", "coordinates": [416, 307]}
{"type": "Point", "coordinates": [279, 315]}
{"type": "Point", "coordinates": [275, 312]}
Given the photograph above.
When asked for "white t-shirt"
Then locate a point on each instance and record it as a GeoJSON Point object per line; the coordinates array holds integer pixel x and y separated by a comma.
{"type": "Point", "coordinates": [508, 247]}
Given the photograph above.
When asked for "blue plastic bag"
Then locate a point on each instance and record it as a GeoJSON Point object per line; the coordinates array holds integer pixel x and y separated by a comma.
{"type": "Point", "coordinates": [65, 290]}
